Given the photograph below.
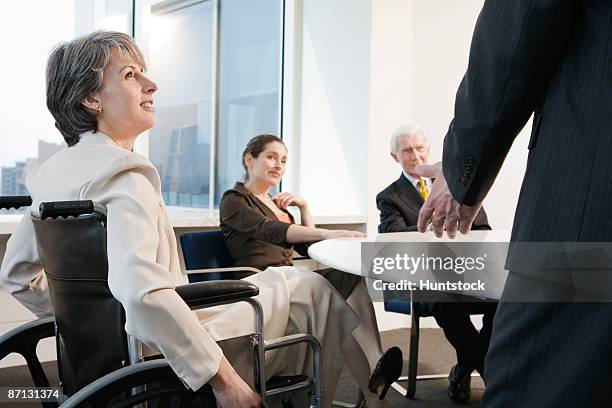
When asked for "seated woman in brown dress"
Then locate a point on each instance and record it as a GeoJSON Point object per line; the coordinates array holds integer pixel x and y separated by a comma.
{"type": "Point", "coordinates": [260, 232]}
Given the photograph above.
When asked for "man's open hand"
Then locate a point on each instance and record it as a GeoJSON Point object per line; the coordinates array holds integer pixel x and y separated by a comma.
{"type": "Point", "coordinates": [441, 209]}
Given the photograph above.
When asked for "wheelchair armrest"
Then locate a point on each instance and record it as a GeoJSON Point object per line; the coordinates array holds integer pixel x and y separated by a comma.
{"type": "Point", "coordinates": [247, 270]}
{"type": "Point", "coordinates": [214, 274]}
{"type": "Point", "coordinates": [291, 340]}
{"type": "Point", "coordinates": [211, 293]}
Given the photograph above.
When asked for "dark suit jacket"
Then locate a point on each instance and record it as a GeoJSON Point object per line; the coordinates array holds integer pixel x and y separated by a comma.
{"type": "Point", "coordinates": [399, 205]}
{"type": "Point", "coordinates": [552, 58]}
{"type": "Point", "coordinates": [254, 236]}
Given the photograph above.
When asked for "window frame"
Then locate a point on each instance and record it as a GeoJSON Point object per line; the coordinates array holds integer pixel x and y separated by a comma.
{"type": "Point", "coordinates": [141, 15]}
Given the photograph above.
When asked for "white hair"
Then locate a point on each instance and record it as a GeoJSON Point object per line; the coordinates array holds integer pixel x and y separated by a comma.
{"type": "Point", "coordinates": [405, 129]}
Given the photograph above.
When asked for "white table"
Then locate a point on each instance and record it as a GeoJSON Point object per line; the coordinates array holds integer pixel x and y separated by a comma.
{"type": "Point", "coordinates": [344, 254]}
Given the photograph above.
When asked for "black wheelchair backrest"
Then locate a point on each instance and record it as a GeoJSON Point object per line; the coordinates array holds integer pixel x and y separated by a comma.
{"type": "Point", "coordinates": [91, 339]}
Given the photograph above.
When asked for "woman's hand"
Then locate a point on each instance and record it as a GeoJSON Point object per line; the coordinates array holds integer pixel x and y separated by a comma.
{"type": "Point", "coordinates": [329, 234]}
{"type": "Point", "coordinates": [231, 391]}
{"type": "Point", "coordinates": [286, 199]}
{"type": "Point", "coordinates": [238, 396]}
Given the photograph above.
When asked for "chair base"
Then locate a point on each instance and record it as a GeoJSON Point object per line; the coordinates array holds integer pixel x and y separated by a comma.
{"type": "Point", "coordinates": [403, 391]}
{"type": "Point", "coordinates": [342, 404]}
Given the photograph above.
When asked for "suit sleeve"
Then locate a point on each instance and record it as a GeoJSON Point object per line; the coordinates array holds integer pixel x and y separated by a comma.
{"type": "Point", "coordinates": [236, 214]}
{"type": "Point", "coordinates": [22, 273]}
{"type": "Point", "coordinates": [515, 50]}
{"type": "Point", "coordinates": [391, 219]}
{"type": "Point", "coordinates": [155, 313]}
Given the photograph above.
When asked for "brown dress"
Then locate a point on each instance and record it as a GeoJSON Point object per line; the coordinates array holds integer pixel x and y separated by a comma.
{"type": "Point", "coordinates": [255, 237]}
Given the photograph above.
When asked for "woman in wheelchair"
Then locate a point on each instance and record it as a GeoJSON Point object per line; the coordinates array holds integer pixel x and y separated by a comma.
{"type": "Point", "coordinates": [101, 100]}
{"type": "Point", "coordinates": [260, 232]}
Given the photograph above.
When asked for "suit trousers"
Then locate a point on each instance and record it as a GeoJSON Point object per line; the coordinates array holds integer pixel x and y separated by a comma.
{"type": "Point", "coordinates": [470, 344]}
{"type": "Point", "coordinates": [549, 354]}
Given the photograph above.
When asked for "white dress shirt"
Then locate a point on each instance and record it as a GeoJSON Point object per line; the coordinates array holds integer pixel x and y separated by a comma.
{"type": "Point", "coordinates": [415, 180]}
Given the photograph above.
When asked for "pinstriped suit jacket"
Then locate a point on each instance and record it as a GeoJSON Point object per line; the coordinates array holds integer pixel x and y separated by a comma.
{"type": "Point", "coordinates": [553, 59]}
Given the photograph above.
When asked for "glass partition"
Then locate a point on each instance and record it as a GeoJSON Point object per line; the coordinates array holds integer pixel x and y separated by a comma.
{"type": "Point", "coordinates": [180, 53]}
{"type": "Point", "coordinates": [250, 70]}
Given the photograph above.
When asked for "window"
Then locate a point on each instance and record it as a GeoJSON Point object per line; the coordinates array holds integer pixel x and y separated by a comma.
{"type": "Point", "coordinates": [218, 65]}
{"type": "Point", "coordinates": [181, 62]}
{"type": "Point", "coordinates": [249, 82]}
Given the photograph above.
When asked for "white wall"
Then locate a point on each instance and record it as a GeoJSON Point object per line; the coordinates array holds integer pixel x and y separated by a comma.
{"type": "Point", "coordinates": [366, 67]}
{"type": "Point", "coordinates": [442, 35]}
{"type": "Point", "coordinates": [391, 102]}
{"type": "Point", "coordinates": [334, 106]}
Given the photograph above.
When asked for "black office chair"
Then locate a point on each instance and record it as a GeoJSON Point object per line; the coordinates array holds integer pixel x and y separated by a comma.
{"type": "Point", "coordinates": [206, 257]}
{"type": "Point", "coordinates": [72, 243]}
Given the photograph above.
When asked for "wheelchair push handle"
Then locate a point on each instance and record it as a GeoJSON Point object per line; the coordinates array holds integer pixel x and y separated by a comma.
{"type": "Point", "coordinates": [65, 209]}
{"type": "Point", "coordinates": [8, 202]}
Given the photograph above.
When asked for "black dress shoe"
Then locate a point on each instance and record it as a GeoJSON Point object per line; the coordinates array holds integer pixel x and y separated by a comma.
{"type": "Point", "coordinates": [459, 383]}
{"type": "Point", "coordinates": [387, 371]}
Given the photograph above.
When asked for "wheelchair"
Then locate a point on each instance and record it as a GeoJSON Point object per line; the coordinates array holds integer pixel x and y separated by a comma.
{"type": "Point", "coordinates": [98, 363]}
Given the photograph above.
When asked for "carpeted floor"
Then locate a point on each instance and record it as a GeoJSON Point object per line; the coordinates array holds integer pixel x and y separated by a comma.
{"type": "Point", "coordinates": [435, 357]}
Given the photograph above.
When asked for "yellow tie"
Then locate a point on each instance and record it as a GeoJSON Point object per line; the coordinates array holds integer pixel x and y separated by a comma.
{"type": "Point", "coordinates": [423, 189]}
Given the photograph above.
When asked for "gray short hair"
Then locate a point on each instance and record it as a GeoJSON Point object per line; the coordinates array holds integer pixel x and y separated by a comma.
{"type": "Point", "coordinates": [405, 129]}
{"type": "Point", "coordinates": [74, 71]}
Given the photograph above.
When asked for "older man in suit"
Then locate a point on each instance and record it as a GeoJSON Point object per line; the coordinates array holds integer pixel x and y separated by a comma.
{"type": "Point", "coordinates": [552, 59]}
{"type": "Point", "coordinates": [399, 206]}
{"type": "Point", "coordinates": [400, 202]}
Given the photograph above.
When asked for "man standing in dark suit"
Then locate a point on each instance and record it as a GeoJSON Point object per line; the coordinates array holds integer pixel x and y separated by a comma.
{"type": "Point", "coordinates": [399, 206]}
{"type": "Point", "coordinates": [552, 59]}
